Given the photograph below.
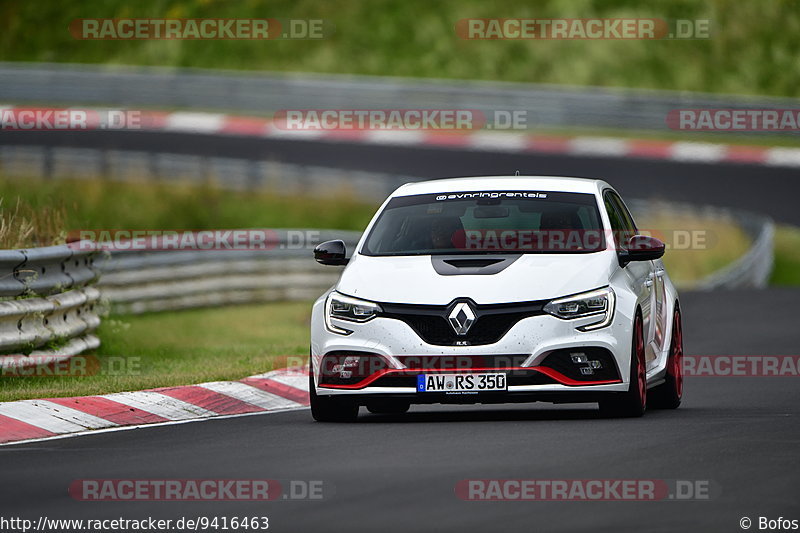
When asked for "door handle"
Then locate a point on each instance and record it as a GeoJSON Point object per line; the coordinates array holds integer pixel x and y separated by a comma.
{"type": "Point", "coordinates": [648, 282]}
{"type": "Point", "coordinates": [660, 273]}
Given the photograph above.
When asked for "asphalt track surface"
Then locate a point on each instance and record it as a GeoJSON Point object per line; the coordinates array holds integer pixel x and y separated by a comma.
{"type": "Point", "coordinates": [398, 473]}
{"type": "Point", "coordinates": [768, 190]}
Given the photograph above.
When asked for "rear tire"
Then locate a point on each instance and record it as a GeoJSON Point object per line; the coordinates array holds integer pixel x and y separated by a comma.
{"type": "Point", "coordinates": [633, 403]}
{"type": "Point", "coordinates": [668, 395]}
{"type": "Point", "coordinates": [330, 409]}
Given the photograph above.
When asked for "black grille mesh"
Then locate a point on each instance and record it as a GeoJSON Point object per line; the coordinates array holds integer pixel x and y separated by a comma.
{"type": "Point", "coordinates": [491, 323]}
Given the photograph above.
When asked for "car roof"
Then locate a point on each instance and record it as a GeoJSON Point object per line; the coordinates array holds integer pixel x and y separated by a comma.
{"type": "Point", "coordinates": [503, 183]}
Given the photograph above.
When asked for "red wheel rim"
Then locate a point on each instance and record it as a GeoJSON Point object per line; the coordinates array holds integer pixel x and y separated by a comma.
{"type": "Point", "coordinates": [676, 357]}
{"type": "Point", "coordinates": [641, 371]}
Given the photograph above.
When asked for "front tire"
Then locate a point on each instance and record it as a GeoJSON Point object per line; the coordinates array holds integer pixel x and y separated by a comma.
{"type": "Point", "coordinates": [668, 395]}
{"type": "Point", "coordinates": [330, 409]}
{"type": "Point", "coordinates": [631, 404]}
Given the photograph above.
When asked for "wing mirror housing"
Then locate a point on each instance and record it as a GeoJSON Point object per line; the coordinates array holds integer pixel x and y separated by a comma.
{"type": "Point", "coordinates": [641, 248]}
{"type": "Point", "coordinates": [331, 253]}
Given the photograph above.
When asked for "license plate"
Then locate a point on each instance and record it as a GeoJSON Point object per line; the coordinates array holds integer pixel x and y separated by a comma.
{"type": "Point", "coordinates": [461, 382]}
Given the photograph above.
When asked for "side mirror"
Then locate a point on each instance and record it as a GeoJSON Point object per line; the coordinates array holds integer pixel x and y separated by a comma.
{"type": "Point", "coordinates": [641, 248]}
{"type": "Point", "coordinates": [331, 253]}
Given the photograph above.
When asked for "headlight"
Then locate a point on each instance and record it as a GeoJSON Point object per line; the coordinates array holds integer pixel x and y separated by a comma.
{"type": "Point", "coordinates": [348, 308]}
{"type": "Point", "coordinates": [598, 303]}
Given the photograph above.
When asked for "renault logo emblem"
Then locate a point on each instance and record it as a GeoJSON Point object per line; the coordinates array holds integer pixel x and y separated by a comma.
{"type": "Point", "coordinates": [461, 318]}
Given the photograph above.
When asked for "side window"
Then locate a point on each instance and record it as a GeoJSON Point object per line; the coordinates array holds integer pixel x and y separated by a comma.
{"type": "Point", "coordinates": [624, 213]}
{"type": "Point", "coordinates": [621, 222]}
{"type": "Point", "coordinates": [613, 215]}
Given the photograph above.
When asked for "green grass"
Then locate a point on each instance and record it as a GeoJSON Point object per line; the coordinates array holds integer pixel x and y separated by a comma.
{"type": "Point", "coordinates": [23, 225]}
{"type": "Point", "coordinates": [786, 270]}
{"type": "Point", "coordinates": [167, 349]}
{"type": "Point", "coordinates": [715, 244]}
{"type": "Point", "coordinates": [753, 48]}
{"type": "Point", "coordinates": [100, 205]}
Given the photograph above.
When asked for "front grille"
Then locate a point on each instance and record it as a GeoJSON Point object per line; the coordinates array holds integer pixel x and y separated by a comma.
{"type": "Point", "coordinates": [491, 323]}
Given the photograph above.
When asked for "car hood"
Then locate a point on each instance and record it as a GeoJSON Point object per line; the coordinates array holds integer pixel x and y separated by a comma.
{"type": "Point", "coordinates": [413, 279]}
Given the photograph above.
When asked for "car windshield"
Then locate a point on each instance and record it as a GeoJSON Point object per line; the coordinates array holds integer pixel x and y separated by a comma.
{"type": "Point", "coordinates": [487, 222]}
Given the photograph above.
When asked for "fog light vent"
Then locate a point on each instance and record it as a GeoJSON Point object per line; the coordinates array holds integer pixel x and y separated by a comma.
{"type": "Point", "coordinates": [585, 363]}
{"type": "Point", "coordinates": [578, 357]}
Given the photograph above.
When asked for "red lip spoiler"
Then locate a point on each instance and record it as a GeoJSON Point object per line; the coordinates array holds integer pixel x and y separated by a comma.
{"type": "Point", "coordinates": [558, 376]}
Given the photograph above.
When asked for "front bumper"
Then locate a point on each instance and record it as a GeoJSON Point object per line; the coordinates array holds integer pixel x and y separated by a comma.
{"type": "Point", "coordinates": [527, 344]}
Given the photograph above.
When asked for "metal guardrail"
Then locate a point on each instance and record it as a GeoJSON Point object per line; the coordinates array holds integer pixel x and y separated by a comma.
{"type": "Point", "coordinates": [546, 105]}
{"type": "Point", "coordinates": [50, 311]}
{"type": "Point", "coordinates": [751, 270]}
{"type": "Point", "coordinates": [144, 281]}
{"type": "Point", "coordinates": [48, 306]}
{"type": "Point", "coordinates": [58, 324]}
{"type": "Point", "coordinates": [44, 271]}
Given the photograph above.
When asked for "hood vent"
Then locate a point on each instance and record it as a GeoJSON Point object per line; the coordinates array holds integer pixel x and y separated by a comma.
{"type": "Point", "coordinates": [471, 263]}
{"type": "Point", "coordinates": [462, 266]}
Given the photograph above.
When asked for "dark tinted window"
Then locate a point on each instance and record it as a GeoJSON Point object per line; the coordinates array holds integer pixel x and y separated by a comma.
{"type": "Point", "coordinates": [623, 210]}
{"type": "Point", "coordinates": [622, 224]}
{"type": "Point", "coordinates": [484, 222]}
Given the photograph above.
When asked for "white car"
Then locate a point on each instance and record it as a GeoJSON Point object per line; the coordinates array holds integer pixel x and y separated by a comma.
{"type": "Point", "coordinates": [497, 290]}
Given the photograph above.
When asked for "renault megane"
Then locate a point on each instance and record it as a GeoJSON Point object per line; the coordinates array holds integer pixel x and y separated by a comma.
{"type": "Point", "coordinates": [496, 290]}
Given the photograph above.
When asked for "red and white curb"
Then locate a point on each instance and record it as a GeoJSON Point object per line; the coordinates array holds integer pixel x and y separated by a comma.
{"type": "Point", "coordinates": [278, 390]}
{"type": "Point", "coordinates": [511, 142]}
